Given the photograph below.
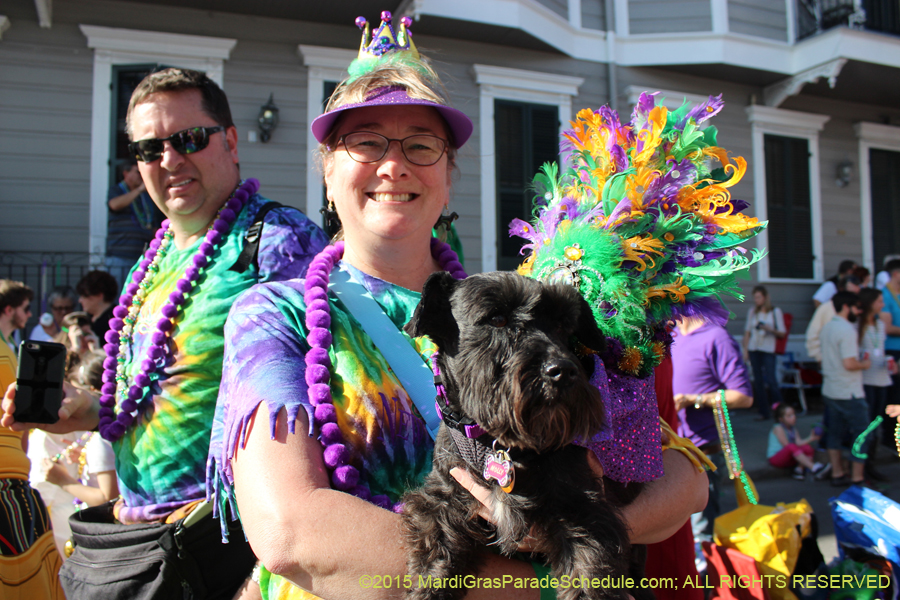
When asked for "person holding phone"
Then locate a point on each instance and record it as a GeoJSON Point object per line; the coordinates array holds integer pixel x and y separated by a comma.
{"type": "Point", "coordinates": [27, 551]}
{"type": "Point", "coordinates": [158, 404]}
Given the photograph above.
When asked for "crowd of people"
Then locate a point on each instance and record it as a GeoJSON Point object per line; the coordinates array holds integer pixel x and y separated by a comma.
{"type": "Point", "coordinates": [224, 395]}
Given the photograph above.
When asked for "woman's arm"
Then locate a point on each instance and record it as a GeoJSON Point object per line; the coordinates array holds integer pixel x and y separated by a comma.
{"type": "Point", "coordinates": [321, 539]}
{"type": "Point", "coordinates": [665, 504]}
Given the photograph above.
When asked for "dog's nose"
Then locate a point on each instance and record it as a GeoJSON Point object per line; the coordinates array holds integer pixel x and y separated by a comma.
{"type": "Point", "coordinates": [560, 371]}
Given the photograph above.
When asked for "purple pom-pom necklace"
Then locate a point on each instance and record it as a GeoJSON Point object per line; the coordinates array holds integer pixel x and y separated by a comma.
{"type": "Point", "coordinates": [119, 336]}
{"type": "Point", "coordinates": [344, 476]}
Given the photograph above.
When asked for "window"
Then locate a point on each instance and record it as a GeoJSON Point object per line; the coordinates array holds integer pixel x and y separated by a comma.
{"type": "Point", "coordinates": [788, 207]}
{"type": "Point", "coordinates": [503, 94]}
{"type": "Point", "coordinates": [884, 173]}
{"type": "Point", "coordinates": [786, 192]}
{"type": "Point", "coordinates": [526, 137]}
{"type": "Point", "coordinates": [879, 182]}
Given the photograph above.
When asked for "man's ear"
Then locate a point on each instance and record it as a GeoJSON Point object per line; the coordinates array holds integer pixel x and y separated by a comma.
{"type": "Point", "coordinates": [231, 143]}
{"type": "Point", "coordinates": [433, 316]}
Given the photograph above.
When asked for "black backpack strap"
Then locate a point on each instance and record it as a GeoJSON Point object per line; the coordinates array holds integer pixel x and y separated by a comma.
{"type": "Point", "coordinates": [250, 253]}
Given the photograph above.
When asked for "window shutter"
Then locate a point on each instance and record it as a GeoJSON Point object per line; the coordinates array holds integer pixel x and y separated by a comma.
{"type": "Point", "coordinates": [788, 207]}
{"type": "Point", "coordinates": [884, 166]}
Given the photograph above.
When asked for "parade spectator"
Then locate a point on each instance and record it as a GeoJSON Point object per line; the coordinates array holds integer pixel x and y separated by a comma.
{"type": "Point", "coordinates": [823, 315]}
{"type": "Point", "coordinates": [830, 287]}
{"type": "Point", "coordinates": [96, 292]}
{"type": "Point", "coordinates": [161, 414]}
{"type": "Point", "coordinates": [61, 302]}
{"type": "Point", "coordinates": [842, 389]}
{"type": "Point", "coordinates": [707, 367]}
{"type": "Point", "coordinates": [877, 378]}
{"type": "Point", "coordinates": [786, 449]}
{"type": "Point", "coordinates": [27, 553]}
{"type": "Point", "coordinates": [133, 220]}
{"type": "Point", "coordinates": [764, 325]}
{"type": "Point", "coordinates": [864, 275]}
{"type": "Point", "coordinates": [883, 276]}
{"type": "Point", "coordinates": [890, 316]}
{"type": "Point", "coordinates": [388, 142]}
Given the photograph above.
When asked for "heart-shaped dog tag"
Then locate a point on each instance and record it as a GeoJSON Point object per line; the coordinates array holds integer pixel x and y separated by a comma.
{"type": "Point", "coordinates": [499, 466]}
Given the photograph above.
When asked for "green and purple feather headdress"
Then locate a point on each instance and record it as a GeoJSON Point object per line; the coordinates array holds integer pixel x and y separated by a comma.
{"type": "Point", "coordinates": [642, 224]}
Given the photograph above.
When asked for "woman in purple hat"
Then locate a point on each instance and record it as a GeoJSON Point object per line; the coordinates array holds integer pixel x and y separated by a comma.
{"type": "Point", "coordinates": [322, 430]}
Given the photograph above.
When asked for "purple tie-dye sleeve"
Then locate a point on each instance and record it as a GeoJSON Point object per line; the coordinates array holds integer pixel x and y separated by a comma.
{"type": "Point", "coordinates": [264, 350]}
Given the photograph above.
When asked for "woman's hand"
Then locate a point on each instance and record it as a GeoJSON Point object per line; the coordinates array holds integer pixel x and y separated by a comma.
{"type": "Point", "coordinates": [892, 410]}
{"type": "Point", "coordinates": [79, 412]}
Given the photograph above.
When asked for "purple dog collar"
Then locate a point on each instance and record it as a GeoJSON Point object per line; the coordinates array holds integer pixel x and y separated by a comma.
{"type": "Point", "coordinates": [457, 421]}
{"type": "Point", "coordinates": [459, 125]}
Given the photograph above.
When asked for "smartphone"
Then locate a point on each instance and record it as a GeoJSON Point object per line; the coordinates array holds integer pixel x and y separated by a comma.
{"type": "Point", "coordinates": [39, 381]}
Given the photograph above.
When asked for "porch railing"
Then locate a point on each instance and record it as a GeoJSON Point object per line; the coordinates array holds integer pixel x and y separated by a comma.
{"type": "Point", "coordinates": [816, 16]}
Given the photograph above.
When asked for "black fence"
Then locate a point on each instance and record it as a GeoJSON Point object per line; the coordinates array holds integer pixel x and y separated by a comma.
{"type": "Point", "coordinates": [43, 271]}
{"type": "Point", "coordinates": [816, 16]}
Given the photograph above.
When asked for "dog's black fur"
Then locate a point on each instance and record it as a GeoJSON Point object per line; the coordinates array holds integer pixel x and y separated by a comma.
{"type": "Point", "coordinates": [507, 361]}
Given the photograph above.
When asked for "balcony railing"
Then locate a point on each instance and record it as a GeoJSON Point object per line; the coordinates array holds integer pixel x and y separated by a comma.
{"type": "Point", "coordinates": [816, 16]}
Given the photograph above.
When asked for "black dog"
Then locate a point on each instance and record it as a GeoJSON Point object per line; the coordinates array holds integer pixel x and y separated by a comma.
{"type": "Point", "coordinates": [515, 385]}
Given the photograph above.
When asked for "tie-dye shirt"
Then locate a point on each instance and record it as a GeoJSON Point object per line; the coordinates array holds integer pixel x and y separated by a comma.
{"type": "Point", "coordinates": [161, 460]}
{"type": "Point", "coordinates": [264, 362]}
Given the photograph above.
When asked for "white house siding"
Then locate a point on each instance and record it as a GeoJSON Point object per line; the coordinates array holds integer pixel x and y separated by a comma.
{"type": "Point", "coordinates": [593, 14]}
{"type": "Point", "coordinates": [47, 79]}
{"type": "Point", "coordinates": [669, 16]}
{"type": "Point", "coordinates": [45, 122]}
{"type": "Point", "coordinates": [761, 18]}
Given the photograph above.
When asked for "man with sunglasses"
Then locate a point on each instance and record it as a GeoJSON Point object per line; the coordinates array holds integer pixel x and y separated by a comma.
{"type": "Point", "coordinates": [166, 360]}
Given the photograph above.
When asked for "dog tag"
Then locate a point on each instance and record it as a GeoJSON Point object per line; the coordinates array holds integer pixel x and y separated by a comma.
{"type": "Point", "coordinates": [499, 466]}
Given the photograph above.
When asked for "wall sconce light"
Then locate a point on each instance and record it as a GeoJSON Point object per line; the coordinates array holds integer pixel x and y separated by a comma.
{"type": "Point", "coordinates": [268, 119]}
{"type": "Point", "coordinates": [844, 173]}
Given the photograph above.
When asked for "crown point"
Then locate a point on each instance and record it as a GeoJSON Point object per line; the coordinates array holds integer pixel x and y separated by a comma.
{"type": "Point", "coordinates": [406, 21]}
{"type": "Point", "coordinates": [360, 22]}
{"type": "Point", "coordinates": [386, 16]}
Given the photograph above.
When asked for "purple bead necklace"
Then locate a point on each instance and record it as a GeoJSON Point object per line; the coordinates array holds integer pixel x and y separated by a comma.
{"type": "Point", "coordinates": [344, 476]}
{"type": "Point", "coordinates": [119, 337]}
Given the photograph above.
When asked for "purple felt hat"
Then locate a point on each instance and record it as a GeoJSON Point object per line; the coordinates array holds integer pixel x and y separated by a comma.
{"type": "Point", "coordinates": [460, 125]}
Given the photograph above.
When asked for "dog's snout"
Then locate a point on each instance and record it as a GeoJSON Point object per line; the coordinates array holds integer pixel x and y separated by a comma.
{"type": "Point", "coordinates": [561, 371]}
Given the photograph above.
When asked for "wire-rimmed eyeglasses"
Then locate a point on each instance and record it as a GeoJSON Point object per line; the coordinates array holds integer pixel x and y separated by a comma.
{"type": "Point", "coordinates": [368, 147]}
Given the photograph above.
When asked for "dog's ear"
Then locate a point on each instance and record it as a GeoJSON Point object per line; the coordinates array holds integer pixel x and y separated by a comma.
{"type": "Point", "coordinates": [588, 332]}
{"type": "Point", "coordinates": [433, 316]}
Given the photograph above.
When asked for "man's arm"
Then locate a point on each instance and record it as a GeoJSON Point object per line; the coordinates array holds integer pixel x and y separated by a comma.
{"type": "Point", "coordinates": [124, 201]}
{"type": "Point", "coordinates": [79, 412]}
{"type": "Point", "coordinates": [854, 364]}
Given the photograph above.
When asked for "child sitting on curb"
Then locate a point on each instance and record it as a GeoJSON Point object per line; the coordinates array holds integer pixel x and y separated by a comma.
{"type": "Point", "coordinates": [786, 450]}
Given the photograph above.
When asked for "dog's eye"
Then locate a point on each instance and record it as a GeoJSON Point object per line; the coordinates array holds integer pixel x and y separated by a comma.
{"type": "Point", "coordinates": [498, 321]}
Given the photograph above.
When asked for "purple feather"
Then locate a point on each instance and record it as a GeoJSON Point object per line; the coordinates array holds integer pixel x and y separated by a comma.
{"type": "Point", "coordinates": [623, 207]}
{"type": "Point", "coordinates": [704, 111]}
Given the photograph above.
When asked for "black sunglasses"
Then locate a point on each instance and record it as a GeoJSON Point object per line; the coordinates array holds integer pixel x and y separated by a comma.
{"type": "Point", "coordinates": [188, 141]}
